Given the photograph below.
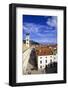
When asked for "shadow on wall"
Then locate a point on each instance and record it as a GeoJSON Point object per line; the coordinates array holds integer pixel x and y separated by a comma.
{"type": "Point", "coordinates": [33, 58]}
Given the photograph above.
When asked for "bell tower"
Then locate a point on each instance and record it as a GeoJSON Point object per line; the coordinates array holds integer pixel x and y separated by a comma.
{"type": "Point", "coordinates": [27, 40]}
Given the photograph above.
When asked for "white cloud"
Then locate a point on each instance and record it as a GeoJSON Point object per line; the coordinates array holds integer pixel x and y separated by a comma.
{"type": "Point", "coordinates": [52, 21]}
{"type": "Point", "coordinates": [39, 30]}
{"type": "Point", "coordinates": [30, 27]}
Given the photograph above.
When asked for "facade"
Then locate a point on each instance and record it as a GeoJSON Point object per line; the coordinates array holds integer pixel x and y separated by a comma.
{"type": "Point", "coordinates": [45, 60]}
{"type": "Point", "coordinates": [45, 56]}
{"type": "Point", "coordinates": [27, 40]}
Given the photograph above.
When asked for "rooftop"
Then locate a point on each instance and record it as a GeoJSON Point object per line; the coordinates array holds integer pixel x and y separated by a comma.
{"type": "Point", "coordinates": [27, 33]}
{"type": "Point", "coordinates": [44, 51]}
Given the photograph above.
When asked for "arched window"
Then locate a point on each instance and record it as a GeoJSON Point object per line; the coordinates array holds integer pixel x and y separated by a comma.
{"type": "Point", "coordinates": [40, 66]}
{"type": "Point", "coordinates": [40, 61]}
{"type": "Point", "coordinates": [46, 61]}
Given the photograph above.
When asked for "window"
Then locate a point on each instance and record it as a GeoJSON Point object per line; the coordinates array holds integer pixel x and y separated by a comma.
{"type": "Point", "coordinates": [40, 57]}
{"type": "Point", "coordinates": [40, 66]}
{"type": "Point", "coordinates": [40, 61]}
{"type": "Point", "coordinates": [27, 39]}
{"type": "Point", "coordinates": [51, 56]}
{"type": "Point", "coordinates": [50, 60]}
{"type": "Point", "coordinates": [46, 61]}
{"type": "Point", "coordinates": [46, 57]}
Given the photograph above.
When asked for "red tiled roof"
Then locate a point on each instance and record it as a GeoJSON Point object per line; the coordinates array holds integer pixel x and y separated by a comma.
{"type": "Point", "coordinates": [44, 51]}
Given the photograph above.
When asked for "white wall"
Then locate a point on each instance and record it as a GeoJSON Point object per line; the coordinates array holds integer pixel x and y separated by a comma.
{"type": "Point", "coordinates": [27, 40]}
{"type": "Point", "coordinates": [4, 37]}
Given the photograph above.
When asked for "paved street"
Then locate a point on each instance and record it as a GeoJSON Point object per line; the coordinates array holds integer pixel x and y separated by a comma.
{"type": "Point", "coordinates": [26, 56]}
{"type": "Point", "coordinates": [32, 70]}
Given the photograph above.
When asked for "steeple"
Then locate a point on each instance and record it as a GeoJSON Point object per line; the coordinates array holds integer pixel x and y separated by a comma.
{"type": "Point", "coordinates": [27, 40]}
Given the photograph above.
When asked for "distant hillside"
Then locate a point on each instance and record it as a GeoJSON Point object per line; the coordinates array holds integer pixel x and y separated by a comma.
{"type": "Point", "coordinates": [32, 42]}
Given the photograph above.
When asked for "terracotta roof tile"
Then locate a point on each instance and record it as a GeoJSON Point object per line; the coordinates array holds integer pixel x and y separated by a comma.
{"type": "Point", "coordinates": [44, 51]}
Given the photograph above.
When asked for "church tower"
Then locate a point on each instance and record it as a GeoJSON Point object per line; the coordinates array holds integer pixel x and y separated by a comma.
{"type": "Point", "coordinates": [27, 40]}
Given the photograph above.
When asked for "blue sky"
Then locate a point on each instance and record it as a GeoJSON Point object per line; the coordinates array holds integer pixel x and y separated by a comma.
{"type": "Point", "coordinates": [42, 29]}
